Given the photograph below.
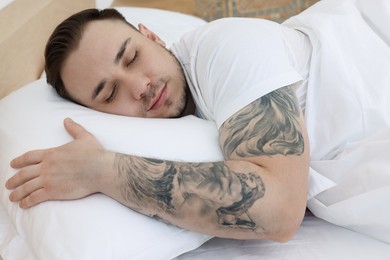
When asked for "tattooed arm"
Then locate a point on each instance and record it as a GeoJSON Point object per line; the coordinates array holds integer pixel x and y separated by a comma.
{"type": "Point", "coordinates": [259, 191]}
{"type": "Point", "coordinates": [271, 134]}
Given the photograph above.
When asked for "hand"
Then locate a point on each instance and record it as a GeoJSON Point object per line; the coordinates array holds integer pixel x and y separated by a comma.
{"type": "Point", "coordinates": [67, 172]}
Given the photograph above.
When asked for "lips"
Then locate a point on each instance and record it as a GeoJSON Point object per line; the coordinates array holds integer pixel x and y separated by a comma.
{"type": "Point", "coordinates": [159, 100]}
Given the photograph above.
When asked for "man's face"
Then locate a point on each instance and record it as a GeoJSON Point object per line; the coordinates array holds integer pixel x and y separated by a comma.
{"type": "Point", "coordinates": [117, 70]}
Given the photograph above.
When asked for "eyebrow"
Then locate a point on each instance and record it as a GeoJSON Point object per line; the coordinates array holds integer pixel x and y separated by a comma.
{"type": "Point", "coordinates": [118, 57]}
{"type": "Point", "coordinates": [98, 89]}
{"type": "Point", "coordinates": [122, 50]}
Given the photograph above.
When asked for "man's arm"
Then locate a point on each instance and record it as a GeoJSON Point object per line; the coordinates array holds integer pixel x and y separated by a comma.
{"type": "Point", "coordinates": [271, 134]}
{"type": "Point", "coordinates": [259, 191]}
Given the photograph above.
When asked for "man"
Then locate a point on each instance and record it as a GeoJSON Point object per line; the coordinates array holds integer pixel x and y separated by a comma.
{"type": "Point", "coordinates": [252, 78]}
{"type": "Point", "coordinates": [96, 59]}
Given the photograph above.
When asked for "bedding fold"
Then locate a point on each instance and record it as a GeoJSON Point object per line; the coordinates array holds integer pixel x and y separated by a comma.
{"type": "Point", "coordinates": [348, 111]}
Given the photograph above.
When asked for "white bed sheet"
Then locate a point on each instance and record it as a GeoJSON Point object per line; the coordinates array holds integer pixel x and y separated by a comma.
{"type": "Point", "coordinates": [315, 240]}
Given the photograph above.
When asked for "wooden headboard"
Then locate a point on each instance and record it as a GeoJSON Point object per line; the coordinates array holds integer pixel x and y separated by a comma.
{"type": "Point", "coordinates": [25, 26]}
{"type": "Point", "coordinates": [276, 10]}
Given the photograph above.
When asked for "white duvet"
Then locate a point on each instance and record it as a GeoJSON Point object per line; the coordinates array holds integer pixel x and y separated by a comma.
{"type": "Point", "coordinates": [348, 111]}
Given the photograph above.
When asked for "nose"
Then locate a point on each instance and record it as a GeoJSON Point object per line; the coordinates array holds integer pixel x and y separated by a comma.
{"type": "Point", "coordinates": [137, 85]}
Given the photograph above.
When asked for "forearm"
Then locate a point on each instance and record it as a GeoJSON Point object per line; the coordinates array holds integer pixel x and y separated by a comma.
{"type": "Point", "coordinates": [235, 199]}
{"type": "Point", "coordinates": [258, 192]}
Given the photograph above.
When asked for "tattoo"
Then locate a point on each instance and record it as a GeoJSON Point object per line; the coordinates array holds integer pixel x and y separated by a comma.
{"type": "Point", "coordinates": [252, 190]}
{"type": "Point", "coordinates": [268, 126]}
{"type": "Point", "coordinates": [217, 190]}
{"type": "Point", "coordinates": [152, 189]}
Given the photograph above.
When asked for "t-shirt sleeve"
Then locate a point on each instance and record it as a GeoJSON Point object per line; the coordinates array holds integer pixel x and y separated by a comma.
{"type": "Point", "coordinates": [238, 61]}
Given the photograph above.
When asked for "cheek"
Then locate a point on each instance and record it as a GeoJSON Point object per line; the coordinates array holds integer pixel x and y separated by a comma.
{"type": "Point", "coordinates": [161, 60]}
{"type": "Point", "coordinates": [125, 107]}
{"type": "Point", "coordinates": [120, 107]}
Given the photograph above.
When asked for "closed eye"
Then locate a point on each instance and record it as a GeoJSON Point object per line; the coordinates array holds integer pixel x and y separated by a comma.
{"type": "Point", "coordinates": [112, 94]}
{"type": "Point", "coordinates": [133, 59]}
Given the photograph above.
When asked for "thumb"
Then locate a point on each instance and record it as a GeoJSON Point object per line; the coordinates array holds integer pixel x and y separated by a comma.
{"type": "Point", "coordinates": [74, 129]}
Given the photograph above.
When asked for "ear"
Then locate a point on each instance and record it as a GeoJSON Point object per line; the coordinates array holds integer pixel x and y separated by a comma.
{"type": "Point", "coordinates": [151, 35]}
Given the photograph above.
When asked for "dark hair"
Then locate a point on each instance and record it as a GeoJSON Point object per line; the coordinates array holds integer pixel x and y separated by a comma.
{"type": "Point", "coordinates": [66, 38]}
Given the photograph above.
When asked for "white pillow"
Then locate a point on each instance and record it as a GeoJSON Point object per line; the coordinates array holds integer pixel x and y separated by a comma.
{"type": "Point", "coordinates": [97, 227]}
{"type": "Point", "coordinates": [170, 26]}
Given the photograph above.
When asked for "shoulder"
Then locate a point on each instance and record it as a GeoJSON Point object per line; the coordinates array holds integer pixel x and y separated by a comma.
{"type": "Point", "coordinates": [224, 42]}
{"type": "Point", "coordinates": [238, 30]}
{"type": "Point", "coordinates": [231, 32]}
{"type": "Point", "coordinates": [232, 62]}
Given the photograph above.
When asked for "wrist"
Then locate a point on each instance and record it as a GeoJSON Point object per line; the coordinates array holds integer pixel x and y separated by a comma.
{"type": "Point", "coordinates": [107, 177]}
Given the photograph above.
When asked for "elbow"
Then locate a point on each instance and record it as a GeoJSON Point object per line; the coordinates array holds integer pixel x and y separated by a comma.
{"type": "Point", "coordinates": [286, 225]}
{"type": "Point", "coordinates": [284, 235]}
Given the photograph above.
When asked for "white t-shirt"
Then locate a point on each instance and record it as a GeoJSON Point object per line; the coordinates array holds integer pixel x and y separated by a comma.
{"type": "Point", "coordinates": [231, 62]}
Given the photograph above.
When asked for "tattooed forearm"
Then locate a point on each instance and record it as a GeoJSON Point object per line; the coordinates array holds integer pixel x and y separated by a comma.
{"type": "Point", "coordinates": [218, 197]}
{"type": "Point", "coordinates": [219, 192]}
{"type": "Point", "coordinates": [268, 126]}
{"type": "Point", "coordinates": [154, 188]}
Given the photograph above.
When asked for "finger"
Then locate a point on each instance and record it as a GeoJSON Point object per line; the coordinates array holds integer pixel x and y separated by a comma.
{"type": "Point", "coordinates": [25, 190]}
{"type": "Point", "coordinates": [74, 129]}
{"type": "Point", "coordinates": [33, 199]}
{"type": "Point", "coordinates": [29, 158]}
{"type": "Point", "coordinates": [23, 176]}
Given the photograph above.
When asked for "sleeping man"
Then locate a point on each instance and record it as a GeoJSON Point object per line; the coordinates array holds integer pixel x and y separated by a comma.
{"type": "Point", "coordinates": [250, 76]}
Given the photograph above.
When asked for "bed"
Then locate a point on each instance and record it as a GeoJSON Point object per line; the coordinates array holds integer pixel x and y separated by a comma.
{"type": "Point", "coordinates": [97, 227]}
